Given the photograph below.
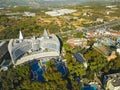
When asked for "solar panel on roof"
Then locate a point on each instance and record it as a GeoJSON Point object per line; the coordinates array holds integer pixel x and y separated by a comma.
{"type": "Point", "coordinates": [79, 58]}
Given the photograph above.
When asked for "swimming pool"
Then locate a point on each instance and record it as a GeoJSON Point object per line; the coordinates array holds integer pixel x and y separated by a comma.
{"type": "Point", "coordinates": [61, 68]}
{"type": "Point", "coordinates": [89, 88]}
{"type": "Point", "coordinates": [44, 62]}
{"type": "Point", "coordinates": [37, 72]}
{"type": "Point", "coordinates": [6, 63]}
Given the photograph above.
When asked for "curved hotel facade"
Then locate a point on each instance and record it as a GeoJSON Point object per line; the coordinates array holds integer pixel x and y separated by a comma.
{"type": "Point", "coordinates": [23, 50]}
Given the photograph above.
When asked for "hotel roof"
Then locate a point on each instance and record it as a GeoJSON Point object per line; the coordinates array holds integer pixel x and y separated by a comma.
{"type": "Point", "coordinates": [22, 50]}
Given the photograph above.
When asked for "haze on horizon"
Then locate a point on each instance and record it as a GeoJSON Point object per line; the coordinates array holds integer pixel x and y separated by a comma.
{"type": "Point", "coordinates": [38, 3]}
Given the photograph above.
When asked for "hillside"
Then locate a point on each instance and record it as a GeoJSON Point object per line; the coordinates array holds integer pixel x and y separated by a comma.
{"type": "Point", "coordinates": [34, 2]}
{"type": "Point", "coordinates": [38, 3]}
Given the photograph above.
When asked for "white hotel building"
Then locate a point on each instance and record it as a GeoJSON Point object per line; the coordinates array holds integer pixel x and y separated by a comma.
{"type": "Point", "coordinates": [23, 50]}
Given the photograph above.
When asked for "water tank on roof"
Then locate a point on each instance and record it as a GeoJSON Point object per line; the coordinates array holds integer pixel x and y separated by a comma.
{"type": "Point", "coordinates": [35, 45]}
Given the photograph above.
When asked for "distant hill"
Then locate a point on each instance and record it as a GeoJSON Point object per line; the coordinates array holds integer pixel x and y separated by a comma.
{"type": "Point", "coordinates": [38, 3]}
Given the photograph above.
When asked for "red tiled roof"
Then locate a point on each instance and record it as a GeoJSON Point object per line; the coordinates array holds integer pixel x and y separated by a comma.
{"type": "Point", "coordinates": [117, 33]}
{"type": "Point", "coordinates": [91, 32]}
{"type": "Point", "coordinates": [72, 44]}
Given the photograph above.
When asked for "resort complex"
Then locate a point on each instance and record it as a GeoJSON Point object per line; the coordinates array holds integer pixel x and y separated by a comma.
{"type": "Point", "coordinates": [79, 50]}
{"type": "Point", "coordinates": [25, 50]}
{"type": "Point", "coordinates": [37, 51]}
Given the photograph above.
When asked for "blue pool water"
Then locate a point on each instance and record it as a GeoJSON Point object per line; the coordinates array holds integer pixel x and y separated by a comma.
{"type": "Point", "coordinates": [61, 68]}
{"type": "Point", "coordinates": [6, 63]}
{"type": "Point", "coordinates": [37, 71]}
{"type": "Point", "coordinates": [36, 68]}
{"type": "Point", "coordinates": [89, 88]}
{"type": "Point", "coordinates": [44, 63]}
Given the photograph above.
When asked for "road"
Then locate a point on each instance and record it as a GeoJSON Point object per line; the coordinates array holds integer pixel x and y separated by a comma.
{"type": "Point", "coordinates": [107, 25]}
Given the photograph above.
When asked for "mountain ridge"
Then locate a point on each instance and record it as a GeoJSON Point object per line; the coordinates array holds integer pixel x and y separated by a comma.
{"type": "Point", "coordinates": [38, 3]}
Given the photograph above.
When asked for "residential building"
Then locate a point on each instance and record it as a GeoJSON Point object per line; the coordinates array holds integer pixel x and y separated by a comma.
{"type": "Point", "coordinates": [118, 50]}
{"type": "Point", "coordinates": [113, 81]}
{"type": "Point", "coordinates": [112, 56]}
{"type": "Point", "coordinates": [77, 42]}
{"type": "Point", "coordinates": [60, 12]}
{"type": "Point", "coordinates": [111, 6]}
{"type": "Point", "coordinates": [115, 33]}
{"type": "Point", "coordinates": [102, 49]}
{"type": "Point", "coordinates": [29, 14]}
{"type": "Point", "coordinates": [113, 84]}
{"type": "Point", "coordinates": [99, 19]}
{"type": "Point", "coordinates": [11, 14]}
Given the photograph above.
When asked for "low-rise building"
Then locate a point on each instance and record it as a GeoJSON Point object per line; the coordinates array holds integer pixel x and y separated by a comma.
{"type": "Point", "coordinates": [113, 84]}
{"type": "Point", "coordinates": [29, 14]}
{"type": "Point", "coordinates": [14, 13]}
{"type": "Point", "coordinates": [99, 19]}
{"type": "Point", "coordinates": [113, 81]}
{"type": "Point", "coordinates": [102, 49]}
{"type": "Point", "coordinates": [87, 14]}
{"type": "Point", "coordinates": [109, 12]}
{"type": "Point", "coordinates": [79, 57]}
{"type": "Point", "coordinates": [77, 42]}
{"type": "Point", "coordinates": [60, 12]}
{"type": "Point", "coordinates": [112, 56]}
{"type": "Point", "coordinates": [115, 33]}
{"type": "Point", "coordinates": [118, 50]}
